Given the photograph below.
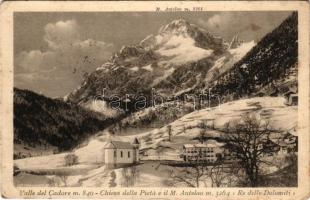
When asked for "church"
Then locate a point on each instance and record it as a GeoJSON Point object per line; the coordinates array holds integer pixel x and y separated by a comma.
{"type": "Point", "coordinates": [119, 154]}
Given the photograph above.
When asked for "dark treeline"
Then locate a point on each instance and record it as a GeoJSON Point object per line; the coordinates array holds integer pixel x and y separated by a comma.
{"type": "Point", "coordinates": [39, 120]}
{"type": "Point", "coordinates": [273, 59]}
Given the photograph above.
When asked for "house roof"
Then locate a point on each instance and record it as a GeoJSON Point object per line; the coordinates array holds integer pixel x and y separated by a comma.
{"type": "Point", "coordinates": [294, 95]}
{"type": "Point", "coordinates": [136, 141]}
{"type": "Point", "coordinates": [282, 144]}
{"type": "Point", "coordinates": [292, 131]}
{"type": "Point", "coordinates": [207, 144]}
{"type": "Point", "coordinates": [118, 145]}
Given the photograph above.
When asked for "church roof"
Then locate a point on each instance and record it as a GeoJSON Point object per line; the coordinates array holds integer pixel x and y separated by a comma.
{"type": "Point", "coordinates": [118, 145]}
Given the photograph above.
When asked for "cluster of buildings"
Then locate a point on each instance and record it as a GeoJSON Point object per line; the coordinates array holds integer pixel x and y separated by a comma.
{"type": "Point", "coordinates": [210, 151]}
{"type": "Point", "coordinates": [121, 154]}
{"type": "Point", "coordinates": [286, 143]}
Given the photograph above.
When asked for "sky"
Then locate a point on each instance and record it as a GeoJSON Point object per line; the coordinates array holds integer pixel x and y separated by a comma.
{"type": "Point", "coordinates": [53, 50]}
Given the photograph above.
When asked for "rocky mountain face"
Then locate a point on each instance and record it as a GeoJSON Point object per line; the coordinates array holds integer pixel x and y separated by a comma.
{"type": "Point", "coordinates": [174, 61]}
{"type": "Point", "coordinates": [235, 42]}
{"type": "Point", "coordinates": [270, 68]}
{"type": "Point", "coordinates": [184, 58]}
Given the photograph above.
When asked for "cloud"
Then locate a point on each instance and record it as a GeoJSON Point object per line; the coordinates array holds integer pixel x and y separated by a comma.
{"type": "Point", "coordinates": [254, 27]}
{"type": "Point", "coordinates": [67, 57]}
{"type": "Point", "coordinates": [35, 60]}
{"type": "Point", "coordinates": [219, 20]}
{"type": "Point", "coordinates": [248, 25]}
{"type": "Point", "coordinates": [229, 20]}
{"type": "Point", "coordinates": [214, 21]}
{"type": "Point", "coordinates": [62, 34]}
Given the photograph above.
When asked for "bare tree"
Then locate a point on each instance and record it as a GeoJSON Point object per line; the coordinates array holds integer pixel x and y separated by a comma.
{"type": "Point", "coordinates": [184, 128]}
{"type": "Point", "coordinates": [159, 151]}
{"type": "Point", "coordinates": [51, 182]}
{"type": "Point", "coordinates": [64, 179]}
{"type": "Point", "coordinates": [224, 175]}
{"type": "Point", "coordinates": [169, 132]}
{"type": "Point", "coordinates": [202, 132]}
{"type": "Point", "coordinates": [217, 175]}
{"type": "Point", "coordinates": [246, 140]}
{"type": "Point", "coordinates": [202, 136]}
{"type": "Point", "coordinates": [292, 161]}
{"type": "Point", "coordinates": [192, 175]}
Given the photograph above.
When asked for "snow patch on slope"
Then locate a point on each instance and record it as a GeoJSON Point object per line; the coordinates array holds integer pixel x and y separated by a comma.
{"type": "Point", "coordinates": [166, 73]}
{"type": "Point", "coordinates": [135, 69]}
{"type": "Point", "coordinates": [240, 51]}
{"type": "Point", "coordinates": [148, 68]}
{"type": "Point", "coordinates": [102, 107]}
{"type": "Point", "coordinates": [227, 61]}
{"type": "Point", "coordinates": [182, 50]}
{"type": "Point", "coordinates": [92, 152]}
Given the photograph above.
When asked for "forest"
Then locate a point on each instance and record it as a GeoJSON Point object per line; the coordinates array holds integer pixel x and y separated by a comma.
{"type": "Point", "coordinates": [39, 120]}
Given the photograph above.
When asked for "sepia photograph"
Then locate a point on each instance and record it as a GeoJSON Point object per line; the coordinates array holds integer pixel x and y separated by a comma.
{"type": "Point", "coordinates": [144, 99]}
{"type": "Point", "coordinates": [165, 98]}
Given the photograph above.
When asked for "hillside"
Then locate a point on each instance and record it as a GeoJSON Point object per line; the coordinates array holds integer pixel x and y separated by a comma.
{"type": "Point", "coordinates": [270, 68]}
{"type": "Point", "coordinates": [45, 123]}
{"type": "Point", "coordinates": [282, 118]}
{"type": "Point", "coordinates": [155, 143]}
{"type": "Point", "coordinates": [156, 116]}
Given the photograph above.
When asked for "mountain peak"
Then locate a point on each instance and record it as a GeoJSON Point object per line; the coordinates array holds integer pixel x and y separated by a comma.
{"type": "Point", "coordinates": [176, 26]}
{"type": "Point", "coordinates": [179, 22]}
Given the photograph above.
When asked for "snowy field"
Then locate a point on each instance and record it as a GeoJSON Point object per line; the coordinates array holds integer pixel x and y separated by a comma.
{"type": "Point", "coordinates": [90, 170]}
{"type": "Point", "coordinates": [280, 116]}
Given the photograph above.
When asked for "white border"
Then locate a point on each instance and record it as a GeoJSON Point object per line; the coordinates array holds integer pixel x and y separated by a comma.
{"type": "Point", "coordinates": [6, 41]}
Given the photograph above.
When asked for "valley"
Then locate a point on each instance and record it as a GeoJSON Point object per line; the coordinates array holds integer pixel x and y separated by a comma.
{"type": "Point", "coordinates": [181, 108]}
{"type": "Point", "coordinates": [90, 168]}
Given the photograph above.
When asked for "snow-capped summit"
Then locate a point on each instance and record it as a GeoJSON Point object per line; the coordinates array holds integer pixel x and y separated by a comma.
{"type": "Point", "coordinates": [183, 30]}
{"type": "Point", "coordinates": [177, 58]}
{"type": "Point", "coordinates": [179, 26]}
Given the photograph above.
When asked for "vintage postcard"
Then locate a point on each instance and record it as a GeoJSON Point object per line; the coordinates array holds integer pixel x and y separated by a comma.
{"type": "Point", "coordinates": [155, 100]}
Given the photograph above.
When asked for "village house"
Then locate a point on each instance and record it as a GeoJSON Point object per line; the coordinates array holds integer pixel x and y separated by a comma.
{"type": "Point", "coordinates": [282, 143]}
{"type": "Point", "coordinates": [121, 154]}
{"type": "Point", "coordinates": [291, 98]}
{"type": "Point", "coordinates": [289, 142]}
{"type": "Point", "coordinates": [210, 151]}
